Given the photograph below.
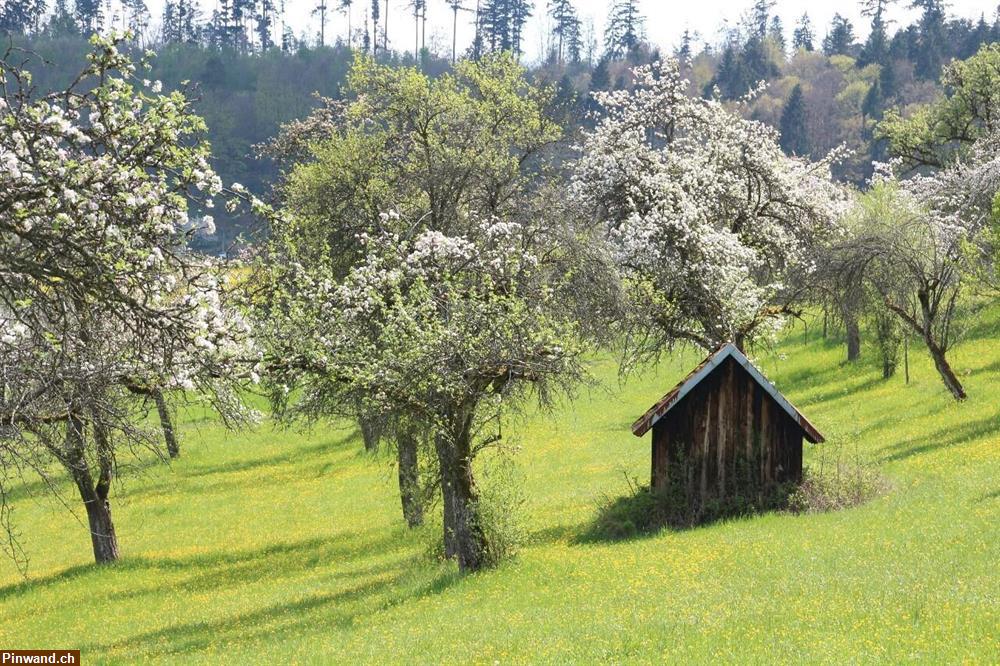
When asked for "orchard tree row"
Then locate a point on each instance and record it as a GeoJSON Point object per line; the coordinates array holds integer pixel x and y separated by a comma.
{"type": "Point", "coordinates": [435, 263]}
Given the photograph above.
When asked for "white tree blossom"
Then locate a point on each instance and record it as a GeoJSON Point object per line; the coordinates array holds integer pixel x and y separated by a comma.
{"type": "Point", "coordinates": [714, 226]}
{"type": "Point", "coordinates": [101, 303]}
{"type": "Point", "coordinates": [920, 243]}
{"type": "Point", "coordinates": [428, 274]}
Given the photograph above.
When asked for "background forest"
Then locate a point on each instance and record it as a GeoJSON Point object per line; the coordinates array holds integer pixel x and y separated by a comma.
{"type": "Point", "coordinates": [825, 87]}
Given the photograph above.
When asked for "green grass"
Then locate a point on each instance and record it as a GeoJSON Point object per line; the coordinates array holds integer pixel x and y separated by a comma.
{"type": "Point", "coordinates": [275, 545]}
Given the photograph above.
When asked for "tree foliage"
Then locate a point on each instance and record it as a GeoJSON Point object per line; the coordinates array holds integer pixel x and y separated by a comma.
{"type": "Point", "coordinates": [934, 134]}
{"type": "Point", "coordinates": [102, 305]}
{"type": "Point", "coordinates": [712, 223]}
{"type": "Point", "coordinates": [921, 243]}
{"type": "Point", "coordinates": [840, 39]}
{"type": "Point", "coordinates": [440, 291]}
{"type": "Point", "coordinates": [623, 31]}
{"type": "Point", "coordinates": [804, 38]}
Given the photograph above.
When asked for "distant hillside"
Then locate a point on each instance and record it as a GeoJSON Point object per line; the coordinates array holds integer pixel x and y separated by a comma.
{"type": "Point", "coordinates": [822, 92]}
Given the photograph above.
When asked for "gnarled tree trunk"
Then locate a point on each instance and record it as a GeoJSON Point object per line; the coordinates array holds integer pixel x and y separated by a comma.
{"type": "Point", "coordinates": [166, 423]}
{"type": "Point", "coordinates": [449, 507]}
{"type": "Point", "coordinates": [888, 367]}
{"type": "Point", "coordinates": [937, 347]}
{"type": "Point", "coordinates": [849, 302]}
{"type": "Point", "coordinates": [94, 496]}
{"type": "Point", "coordinates": [409, 478]}
{"type": "Point", "coordinates": [371, 433]}
{"type": "Point", "coordinates": [853, 336]}
{"type": "Point", "coordinates": [948, 375]}
{"type": "Point", "coordinates": [102, 530]}
{"type": "Point", "coordinates": [888, 338]}
{"type": "Point", "coordinates": [463, 536]}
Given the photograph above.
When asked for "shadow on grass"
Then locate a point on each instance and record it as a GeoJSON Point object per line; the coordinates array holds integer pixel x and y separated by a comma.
{"type": "Point", "coordinates": [967, 433]}
{"type": "Point", "coordinates": [315, 593]}
{"type": "Point", "coordinates": [986, 497]}
{"type": "Point", "coordinates": [343, 608]}
{"type": "Point", "coordinates": [211, 476]}
{"type": "Point", "coordinates": [59, 483]}
{"type": "Point", "coordinates": [983, 328]}
{"type": "Point", "coordinates": [224, 568]}
{"type": "Point", "coordinates": [290, 455]}
{"type": "Point", "coordinates": [58, 480]}
{"type": "Point", "coordinates": [644, 513]}
{"type": "Point", "coordinates": [555, 534]}
{"type": "Point", "coordinates": [811, 377]}
{"type": "Point", "coordinates": [992, 368]}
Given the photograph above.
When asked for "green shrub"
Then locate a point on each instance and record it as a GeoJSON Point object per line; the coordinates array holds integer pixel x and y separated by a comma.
{"type": "Point", "coordinates": [841, 478]}
{"type": "Point", "coordinates": [838, 486]}
{"type": "Point", "coordinates": [500, 512]}
{"type": "Point", "coordinates": [838, 481]}
{"type": "Point", "coordinates": [500, 516]}
{"type": "Point", "coordinates": [626, 517]}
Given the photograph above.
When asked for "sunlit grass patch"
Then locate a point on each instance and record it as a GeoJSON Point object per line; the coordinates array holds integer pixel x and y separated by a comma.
{"type": "Point", "coordinates": [282, 545]}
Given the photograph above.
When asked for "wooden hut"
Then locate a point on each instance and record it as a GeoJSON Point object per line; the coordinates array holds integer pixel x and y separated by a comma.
{"type": "Point", "coordinates": [724, 432]}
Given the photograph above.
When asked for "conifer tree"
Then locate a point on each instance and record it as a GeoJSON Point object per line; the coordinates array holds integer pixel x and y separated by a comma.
{"type": "Point", "coordinates": [22, 16]}
{"type": "Point", "coordinates": [804, 38]}
{"type": "Point", "coordinates": [521, 11]}
{"type": "Point", "coordinates": [320, 10]}
{"type": "Point", "coordinates": [876, 48]}
{"type": "Point", "coordinates": [840, 38]}
{"type": "Point", "coordinates": [760, 17]}
{"type": "Point", "coordinates": [776, 33]}
{"type": "Point", "coordinates": [136, 17]}
{"type": "Point", "coordinates": [375, 15]}
{"type": "Point", "coordinates": [684, 51]}
{"type": "Point", "coordinates": [871, 107]}
{"type": "Point", "coordinates": [62, 22]}
{"type": "Point", "coordinates": [574, 42]}
{"type": "Point", "coordinates": [624, 30]}
{"type": "Point", "coordinates": [600, 78]}
{"type": "Point", "coordinates": [501, 25]}
{"type": "Point", "coordinates": [565, 26]}
{"type": "Point", "coordinates": [345, 7]}
{"type": "Point", "coordinates": [794, 125]}
{"type": "Point", "coordinates": [887, 81]}
{"type": "Point", "coordinates": [931, 41]}
{"type": "Point", "coordinates": [264, 23]}
{"type": "Point", "coordinates": [89, 15]}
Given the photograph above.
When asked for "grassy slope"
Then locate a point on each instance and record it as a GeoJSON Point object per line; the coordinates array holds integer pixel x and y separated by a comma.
{"type": "Point", "coordinates": [273, 544]}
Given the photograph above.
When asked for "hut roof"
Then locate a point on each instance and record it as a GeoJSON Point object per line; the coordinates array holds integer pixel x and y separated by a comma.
{"type": "Point", "coordinates": [704, 369]}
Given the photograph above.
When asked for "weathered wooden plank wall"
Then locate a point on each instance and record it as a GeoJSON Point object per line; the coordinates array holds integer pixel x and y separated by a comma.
{"type": "Point", "coordinates": [726, 437]}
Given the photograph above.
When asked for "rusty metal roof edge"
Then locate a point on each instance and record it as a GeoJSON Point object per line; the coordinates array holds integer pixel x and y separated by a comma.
{"type": "Point", "coordinates": [657, 411]}
{"type": "Point", "coordinates": [812, 433]}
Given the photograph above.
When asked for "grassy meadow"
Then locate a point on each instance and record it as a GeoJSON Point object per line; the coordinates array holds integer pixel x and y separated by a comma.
{"type": "Point", "coordinates": [278, 545]}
